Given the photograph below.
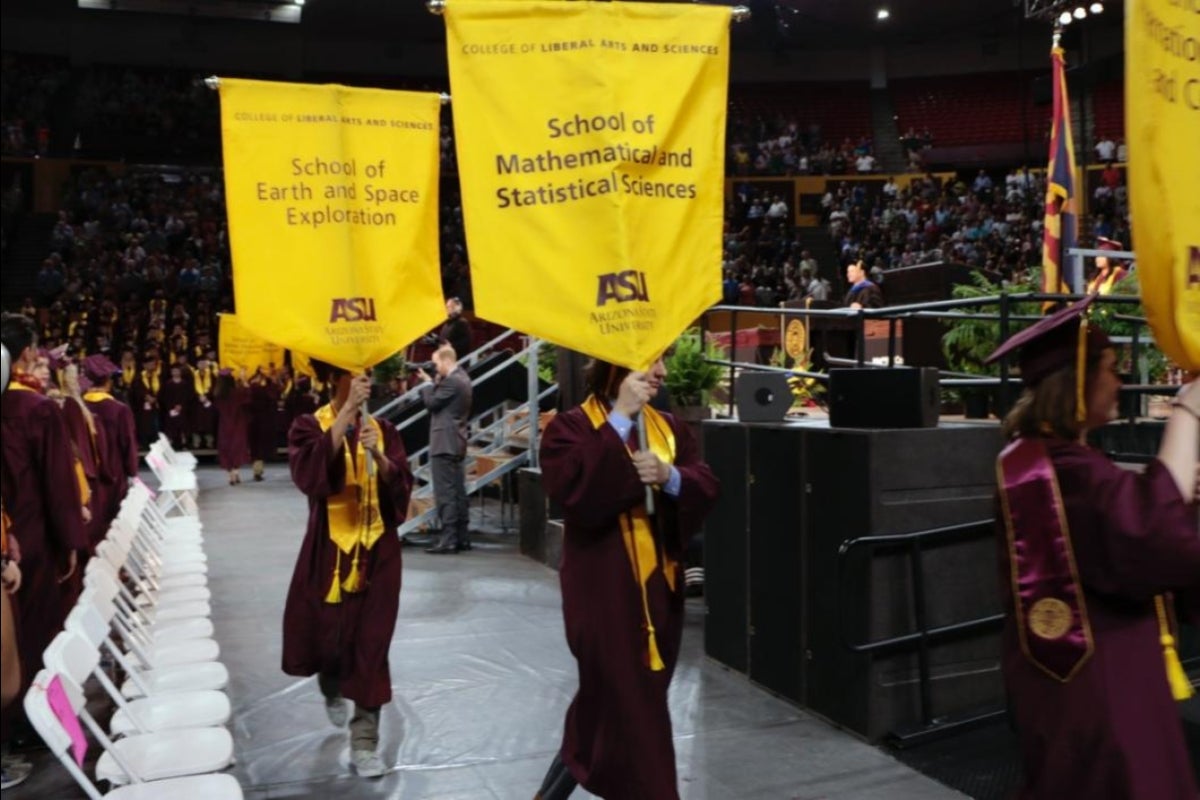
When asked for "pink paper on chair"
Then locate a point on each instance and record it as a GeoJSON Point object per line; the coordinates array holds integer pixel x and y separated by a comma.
{"type": "Point", "coordinates": [142, 483]}
{"type": "Point", "coordinates": [61, 706]}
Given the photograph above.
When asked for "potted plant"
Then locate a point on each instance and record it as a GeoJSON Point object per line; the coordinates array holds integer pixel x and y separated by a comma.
{"type": "Point", "coordinates": [968, 342]}
{"type": "Point", "coordinates": [692, 375]}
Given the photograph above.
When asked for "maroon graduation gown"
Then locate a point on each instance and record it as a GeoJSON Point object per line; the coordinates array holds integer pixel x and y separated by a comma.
{"type": "Point", "coordinates": [1112, 732]}
{"type": "Point", "coordinates": [617, 738]}
{"type": "Point", "coordinates": [233, 424]}
{"type": "Point", "coordinates": [89, 451]}
{"type": "Point", "coordinates": [144, 403]}
{"type": "Point", "coordinates": [41, 496]}
{"type": "Point", "coordinates": [119, 459]}
{"type": "Point", "coordinates": [264, 431]}
{"type": "Point", "coordinates": [349, 639]}
{"type": "Point", "coordinates": [175, 408]}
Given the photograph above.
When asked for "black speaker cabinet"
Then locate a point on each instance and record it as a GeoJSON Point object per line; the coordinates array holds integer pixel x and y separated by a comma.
{"type": "Point", "coordinates": [900, 397]}
{"type": "Point", "coordinates": [791, 494]}
{"type": "Point", "coordinates": [762, 396]}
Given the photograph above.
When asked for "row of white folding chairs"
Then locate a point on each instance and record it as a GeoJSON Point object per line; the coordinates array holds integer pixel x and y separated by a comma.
{"type": "Point", "coordinates": [170, 708]}
{"type": "Point", "coordinates": [176, 476]}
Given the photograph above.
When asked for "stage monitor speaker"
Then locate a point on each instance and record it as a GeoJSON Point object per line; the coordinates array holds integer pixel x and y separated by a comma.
{"type": "Point", "coordinates": [762, 396]}
{"type": "Point", "coordinates": [900, 397]}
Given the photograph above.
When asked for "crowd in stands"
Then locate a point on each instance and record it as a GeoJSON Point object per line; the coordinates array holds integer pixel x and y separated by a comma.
{"type": "Point", "coordinates": [123, 242]}
{"type": "Point", "coordinates": [779, 146]}
{"type": "Point", "coordinates": [28, 85]}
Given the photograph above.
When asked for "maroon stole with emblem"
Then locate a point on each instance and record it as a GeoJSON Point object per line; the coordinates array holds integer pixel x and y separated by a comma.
{"type": "Point", "coordinates": [1052, 619]}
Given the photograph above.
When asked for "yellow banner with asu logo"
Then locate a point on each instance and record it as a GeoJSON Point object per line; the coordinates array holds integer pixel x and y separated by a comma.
{"type": "Point", "coordinates": [1162, 123]}
{"type": "Point", "coordinates": [590, 142]}
{"type": "Point", "coordinates": [333, 204]}
{"type": "Point", "coordinates": [239, 349]}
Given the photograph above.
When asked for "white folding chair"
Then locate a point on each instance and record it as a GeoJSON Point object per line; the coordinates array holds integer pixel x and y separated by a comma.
{"type": "Point", "coordinates": [176, 488]}
{"type": "Point", "coordinates": [133, 759]}
{"type": "Point", "coordinates": [87, 620]}
{"type": "Point", "coordinates": [70, 654]}
{"type": "Point", "coordinates": [184, 460]}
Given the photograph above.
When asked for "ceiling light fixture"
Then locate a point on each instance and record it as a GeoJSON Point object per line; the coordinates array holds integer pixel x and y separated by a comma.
{"type": "Point", "coordinates": [1065, 18]}
{"type": "Point", "coordinates": [882, 14]}
{"type": "Point", "coordinates": [1080, 12]}
{"type": "Point", "coordinates": [1096, 8]}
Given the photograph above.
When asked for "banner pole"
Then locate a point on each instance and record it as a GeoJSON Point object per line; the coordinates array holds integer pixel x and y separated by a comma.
{"type": "Point", "coordinates": [738, 13]}
{"type": "Point", "coordinates": [643, 445]}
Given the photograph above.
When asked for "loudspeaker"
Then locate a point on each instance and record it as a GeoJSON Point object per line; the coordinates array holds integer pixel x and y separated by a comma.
{"type": "Point", "coordinates": [762, 396]}
{"type": "Point", "coordinates": [900, 397]}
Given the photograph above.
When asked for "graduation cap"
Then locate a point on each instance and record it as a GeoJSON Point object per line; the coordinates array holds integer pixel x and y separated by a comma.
{"type": "Point", "coordinates": [99, 368]}
{"type": "Point", "coordinates": [1057, 341]}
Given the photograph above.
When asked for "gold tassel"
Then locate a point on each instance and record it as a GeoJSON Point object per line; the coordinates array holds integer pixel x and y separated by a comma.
{"type": "Point", "coordinates": [1181, 687]}
{"type": "Point", "coordinates": [656, 662]}
{"type": "Point", "coordinates": [355, 580]}
{"type": "Point", "coordinates": [335, 589]}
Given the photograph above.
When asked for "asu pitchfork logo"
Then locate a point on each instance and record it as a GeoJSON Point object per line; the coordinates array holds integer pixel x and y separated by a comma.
{"type": "Point", "coordinates": [352, 309]}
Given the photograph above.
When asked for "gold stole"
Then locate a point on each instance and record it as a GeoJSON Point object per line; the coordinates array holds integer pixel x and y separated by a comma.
{"type": "Point", "coordinates": [353, 514]}
{"type": "Point", "coordinates": [85, 491]}
{"type": "Point", "coordinates": [644, 553]}
{"type": "Point", "coordinates": [128, 374]}
{"type": "Point", "coordinates": [203, 380]}
{"type": "Point", "coordinates": [150, 382]}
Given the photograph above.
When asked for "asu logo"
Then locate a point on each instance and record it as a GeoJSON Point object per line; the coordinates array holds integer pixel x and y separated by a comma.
{"type": "Point", "coordinates": [1193, 268]}
{"type": "Point", "coordinates": [352, 309]}
{"type": "Point", "coordinates": [621, 287]}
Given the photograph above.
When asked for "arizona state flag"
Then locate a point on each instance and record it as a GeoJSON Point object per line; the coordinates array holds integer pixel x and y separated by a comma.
{"type": "Point", "coordinates": [591, 147]}
{"type": "Point", "coordinates": [1059, 233]}
{"type": "Point", "coordinates": [1162, 123]}
{"type": "Point", "coordinates": [333, 203]}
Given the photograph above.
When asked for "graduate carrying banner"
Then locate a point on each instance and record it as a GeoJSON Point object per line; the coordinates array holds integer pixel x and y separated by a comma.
{"type": "Point", "coordinates": [332, 198]}
{"type": "Point", "coordinates": [593, 210]}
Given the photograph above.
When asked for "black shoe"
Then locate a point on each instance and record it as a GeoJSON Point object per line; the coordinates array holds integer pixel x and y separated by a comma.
{"type": "Point", "coordinates": [462, 546]}
{"type": "Point", "coordinates": [442, 549]}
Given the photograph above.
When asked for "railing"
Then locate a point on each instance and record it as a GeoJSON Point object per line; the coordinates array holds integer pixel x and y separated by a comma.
{"type": "Point", "coordinates": [940, 309]}
{"type": "Point", "coordinates": [922, 637]}
{"type": "Point", "coordinates": [493, 436]}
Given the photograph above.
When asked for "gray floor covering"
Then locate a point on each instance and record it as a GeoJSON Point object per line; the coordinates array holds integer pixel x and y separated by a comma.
{"type": "Point", "coordinates": [482, 677]}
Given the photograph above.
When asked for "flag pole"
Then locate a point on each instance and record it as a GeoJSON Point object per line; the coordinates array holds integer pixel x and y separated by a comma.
{"type": "Point", "coordinates": [642, 445]}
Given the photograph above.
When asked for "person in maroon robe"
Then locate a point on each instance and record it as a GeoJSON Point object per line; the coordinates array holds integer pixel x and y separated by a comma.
{"type": "Point", "coordinates": [622, 583]}
{"type": "Point", "coordinates": [1089, 552]}
{"type": "Point", "coordinates": [264, 431]}
{"type": "Point", "coordinates": [231, 397]}
{"type": "Point", "coordinates": [143, 399]}
{"type": "Point", "coordinates": [344, 596]}
{"type": "Point", "coordinates": [204, 413]}
{"type": "Point", "coordinates": [117, 436]}
{"type": "Point", "coordinates": [38, 483]}
{"type": "Point", "coordinates": [174, 405]}
{"type": "Point", "coordinates": [88, 440]}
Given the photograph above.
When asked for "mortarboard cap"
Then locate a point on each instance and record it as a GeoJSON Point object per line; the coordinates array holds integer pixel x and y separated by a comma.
{"type": "Point", "coordinates": [1104, 243]}
{"type": "Point", "coordinates": [1053, 343]}
{"type": "Point", "coordinates": [99, 368]}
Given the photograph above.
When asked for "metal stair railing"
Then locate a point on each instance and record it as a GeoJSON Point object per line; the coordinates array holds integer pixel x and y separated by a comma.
{"type": "Point", "coordinates": [493, 438]}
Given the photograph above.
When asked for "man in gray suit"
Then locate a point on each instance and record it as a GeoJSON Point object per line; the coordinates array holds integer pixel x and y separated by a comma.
{"type": "Point", "coordinates": [448, 398]}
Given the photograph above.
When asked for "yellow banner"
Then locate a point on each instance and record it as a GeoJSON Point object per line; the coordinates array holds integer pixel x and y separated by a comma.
{"type": "Point", "coordinates": [591, 143]}
{"type": "Point", "coordinates": [333, 207]}
{"type": "Point", "coordinates": [238, 348]}
{"type": "Point", "coordinates": [1162, 123]}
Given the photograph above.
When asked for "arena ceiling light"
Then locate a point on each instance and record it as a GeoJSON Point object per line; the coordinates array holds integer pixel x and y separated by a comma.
{"type": "Point", "coordinates": [270, 11]}
{"type": "Point", "coordinates": [1096, 8]}
{"type": "Point", "coordinates": [882, 14]}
